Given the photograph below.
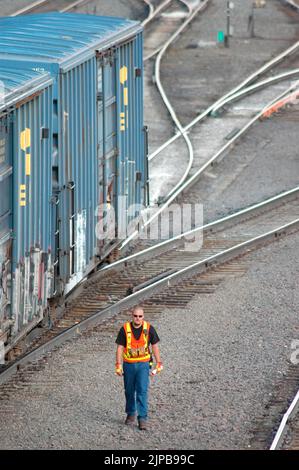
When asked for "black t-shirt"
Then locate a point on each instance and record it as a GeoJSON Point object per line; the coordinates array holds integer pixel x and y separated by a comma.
{"type": "Point", "coordinates": [121, 337]}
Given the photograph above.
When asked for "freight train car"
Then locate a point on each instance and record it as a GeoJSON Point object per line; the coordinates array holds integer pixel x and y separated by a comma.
{"type": "Point", "coordinates": [25, 187]}
{"type": "Point", "coordinates": [72, 145]}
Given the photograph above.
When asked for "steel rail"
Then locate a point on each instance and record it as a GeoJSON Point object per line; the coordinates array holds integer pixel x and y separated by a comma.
{"type": "Point", "coordinates": [153, 12]}
{"type": "Point", "coordinates": [164, 97]}
{"type": "Point", "coordinates": [167, 103]}
{"type": "Point", "coordinates": [208, 262]}
{"type": "Point", "coordinates": [244, 92]}
{"type": "Point", "coordinates": [255, 87]}
{"type": "Point", "coordinates": [291, 411]}
{"type": "Point", "coordinates": [161, 51]}
{"type": "Point", "coordinates": [144, 293]}
{"type": "Point", "coordinates": [210, 109]}
{"type": "Point", "coordinates": [156, 51]}
{"type": "Point", "coordinates": [73, 5]}
{"type": "Point", "coordinates": [190, 181]}
{"type": "Point", "coordinates": [252, 210]}
{"type": "Point", "coordinates": [221, 104]}
{"type": "Point", "coordinates": [29, 7]}
{"type": "Point", "coordinates": [150, 12]}
{"type": "Point", "coordinates": [76, 3]}
{"type": "Point", "coordinates": [245, 82]}
{"type": "Point", "coordinates": [239, 134]}
{"type": "Point", "coordinates": [292, 4]}
{"type": "Point", "coordinates": [39, 3]}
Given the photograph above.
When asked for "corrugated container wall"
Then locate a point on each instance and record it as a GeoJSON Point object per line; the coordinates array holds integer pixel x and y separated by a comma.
{"type": "Point", "coordinates": [77, 178]}
{"type": "Point", "coordinates": [5, 220]}
{"type": "Point", "coordinates": [85, 138]}
{"type": "Point", "coordinates": [25, 186]}
{"type": "Point", "coordinates": [102, 152]}
{"type": "Point", "coordinates": [32, 192]}
{"type": "Point", "coordinates": [131, 182]}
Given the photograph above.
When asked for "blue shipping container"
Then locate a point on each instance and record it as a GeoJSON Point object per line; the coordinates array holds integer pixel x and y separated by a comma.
{"type": "Point", "coordinates": [25, 186]}
{"type": "Point", "coordinates": [88, 132]}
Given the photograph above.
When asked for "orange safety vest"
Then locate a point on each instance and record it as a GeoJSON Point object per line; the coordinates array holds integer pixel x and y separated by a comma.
{"type": "Point", "coordinates": [137, 350]}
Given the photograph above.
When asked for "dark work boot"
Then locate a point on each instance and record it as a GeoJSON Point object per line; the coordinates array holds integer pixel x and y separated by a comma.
{"type": "Point", "coordinates": [142, 425]}
{"type": "Point", "coordinates": [130, 419]}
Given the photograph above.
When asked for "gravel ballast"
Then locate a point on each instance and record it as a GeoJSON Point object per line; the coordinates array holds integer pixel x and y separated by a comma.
{"type": "Point", "coordinates": [223, 354]}
{"type": "Point", "coordinates": [226, 351]}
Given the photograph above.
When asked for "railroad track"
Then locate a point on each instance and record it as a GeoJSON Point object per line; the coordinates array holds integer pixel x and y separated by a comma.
{"type": "Point", "coordinates": [190, 10]}
{"type": "Point", "coordinates": [196, 168]}
{"type": "Point", "coordinates": [199, 161]}
{"type": "Point", "coordinates": [278, 428]}
{"type": "Point", "coordinates": [41, 6]}
{"type": "Point", "coordinates": [291, 441]}
{"type": "Point", "coordinates": [103, 297]}
{"type": "Point", "coordinates": [165, 273]}
{"type": "Point", "coordinates": [111, 292]}
{"type": "Point", "coordinates": [153, 50]}
{"type": "Point", "coordinates": [234, 94]}
{"type": "Point", "coordinates": [185, 191]}
{"type": "Point", "coordinates": [233, 126]}
{"type": "Point", "coordinates": [292, 3]}
{"type": "Point", "coordinates": [287, 435]}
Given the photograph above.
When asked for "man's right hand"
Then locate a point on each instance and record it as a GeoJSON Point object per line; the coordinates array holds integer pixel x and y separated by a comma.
{"type": "Point", "coordinates": [118, 369]}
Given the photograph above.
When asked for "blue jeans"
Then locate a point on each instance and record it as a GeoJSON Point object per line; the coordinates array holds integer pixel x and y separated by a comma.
{"type": "Point", "coordinates": [136, 381]}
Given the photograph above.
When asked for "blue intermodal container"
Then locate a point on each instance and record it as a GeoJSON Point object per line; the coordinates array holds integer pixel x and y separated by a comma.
{"type": "Point", "coordinates": [92, 125]}
{"type": "Point", "coordinates": [26, 191]}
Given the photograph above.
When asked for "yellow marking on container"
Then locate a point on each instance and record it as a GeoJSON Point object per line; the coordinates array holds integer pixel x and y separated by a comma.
{"type": "Point", "coordinates": [22, 195]}
{"type": "Point", "coordinates": [123, 74]}
{"type": "Point", "coordinates": [125, 96]}
{"type": "Point", "coordinates": [28, 164]}
{"type": "Point", "coordinates": [25, 139]}
{"type": "Point", "coordinates": [122, 121]}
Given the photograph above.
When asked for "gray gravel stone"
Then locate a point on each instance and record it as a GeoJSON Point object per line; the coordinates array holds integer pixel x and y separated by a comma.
{"type": "Point", "coordinates": [127, 8]}
{"type": "Point", "coordinates": [11, 6]}
{"type": "Point", "coordinates": [223, 354]}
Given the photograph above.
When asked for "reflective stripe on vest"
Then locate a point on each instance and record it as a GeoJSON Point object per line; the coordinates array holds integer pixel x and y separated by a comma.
{"type": "Point", "coordinates": [137, 350]}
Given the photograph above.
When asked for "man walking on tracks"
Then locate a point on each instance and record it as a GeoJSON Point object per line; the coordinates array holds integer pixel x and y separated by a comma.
{"type": "Point", "coordinates": [133, 362]}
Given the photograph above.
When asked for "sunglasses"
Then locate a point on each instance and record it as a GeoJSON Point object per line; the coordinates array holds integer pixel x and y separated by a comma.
{"type": "Point", "coordinates": [138, 316]}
